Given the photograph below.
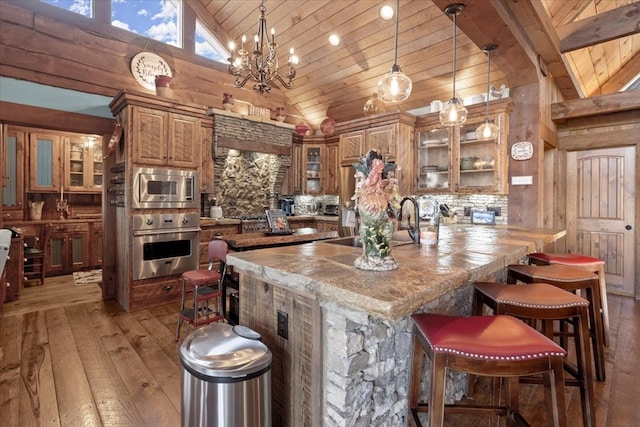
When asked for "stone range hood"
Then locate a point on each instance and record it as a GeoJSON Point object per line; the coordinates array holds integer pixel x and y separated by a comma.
{"type": "Point", "coordinates": [251, 158]}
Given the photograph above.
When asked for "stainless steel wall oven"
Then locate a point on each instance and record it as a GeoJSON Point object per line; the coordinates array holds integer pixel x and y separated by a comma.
{"type": "Point", "coordinates": [165, 244]}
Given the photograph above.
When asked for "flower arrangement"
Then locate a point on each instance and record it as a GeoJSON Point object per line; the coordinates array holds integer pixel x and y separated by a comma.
{"type": "Point", "coordinates": [376, 199]}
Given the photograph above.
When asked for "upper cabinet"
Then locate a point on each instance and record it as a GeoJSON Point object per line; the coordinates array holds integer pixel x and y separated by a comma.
{"type": "Point", "coordinates": [64, 160]}
{"type": "Point", "coordinates": [45, 151]}
{"type": "Point", "coordinates": [83, 163]}
{"type": "Point", "coordinates": [13, 146]}
{"type": "Point", "coordinates": [391, 134]}
{"type": "Point", "coordinates": [160, 132]}
{"type": "Point", "coordinates": [454, 160]}
{"type": "Point", "coordinates": [312, 159]}
{"type": "Point", "coordinates": [165, 138]}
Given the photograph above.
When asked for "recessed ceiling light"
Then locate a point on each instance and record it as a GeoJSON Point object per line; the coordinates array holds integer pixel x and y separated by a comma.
{"type": "Point", "coordinates": [334, 40]}
{"type": "Point", "coordinates": [386, 12]}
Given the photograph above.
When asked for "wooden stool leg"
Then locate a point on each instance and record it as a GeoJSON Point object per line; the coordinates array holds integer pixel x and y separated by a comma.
{"type": "Point", "coordinates": [417, 363]}
{"type": "Point", "coordinates": [604, 306]}
{"type": "Point", "coordinates": [554, 394]}
{"type": "Point", "coordinates": [597, 340]}
{"type": "Point", "coordinates": [436, 400]}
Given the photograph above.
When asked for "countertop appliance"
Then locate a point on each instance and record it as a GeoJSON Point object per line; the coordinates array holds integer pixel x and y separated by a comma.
{"type": "Point", "coordinates": [288, 207]}
{"type": "Point", "coordinates": [331, 210]}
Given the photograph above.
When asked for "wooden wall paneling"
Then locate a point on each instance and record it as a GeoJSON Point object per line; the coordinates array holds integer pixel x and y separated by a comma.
{"type": "Point", "coordinates": [296, 370]}
{"type": "Point", "coordinates": [524, 125]}
{"type": "Point", "coordinates": [207, 163]}
{"type": "Point", "coordinates": [45, 118]}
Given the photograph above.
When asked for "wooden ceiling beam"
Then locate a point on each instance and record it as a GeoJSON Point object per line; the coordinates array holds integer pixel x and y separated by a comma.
{"type": "Point", "coordinates": [541, 34]}
{"type": "Point", "coordinates": [620, 22]}
{"type": "Point", "coordinates": [514, 56]}
{"type": "Point", "coordinates": [596, 105]}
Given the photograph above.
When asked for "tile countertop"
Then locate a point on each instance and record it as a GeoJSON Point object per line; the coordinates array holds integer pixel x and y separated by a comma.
{"type": "Point", "coordinates": [465, 253]}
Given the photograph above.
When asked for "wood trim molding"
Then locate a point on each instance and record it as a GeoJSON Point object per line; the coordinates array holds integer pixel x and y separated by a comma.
{"type": "Point", "coordinates": [44, 118]}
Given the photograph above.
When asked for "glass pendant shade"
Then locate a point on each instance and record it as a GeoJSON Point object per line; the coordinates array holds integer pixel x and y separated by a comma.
{"type": "Point", "coordinates": [487, 131]}
{"type": "Point", "coordinates": [454, 113]}
{"type": "Point", "coordinates": [395, 86]}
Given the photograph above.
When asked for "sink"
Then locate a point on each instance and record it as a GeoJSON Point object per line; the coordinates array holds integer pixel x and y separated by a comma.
{"type": "Point", "coordinates": [354, 241]}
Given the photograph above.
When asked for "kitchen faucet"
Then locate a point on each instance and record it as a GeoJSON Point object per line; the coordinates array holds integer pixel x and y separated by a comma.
{"type": "Point", "coordinates": [414, 231]}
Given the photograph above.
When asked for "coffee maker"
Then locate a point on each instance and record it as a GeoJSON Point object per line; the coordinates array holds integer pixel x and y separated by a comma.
{"type": "Point", "coordinates": [287, 206]}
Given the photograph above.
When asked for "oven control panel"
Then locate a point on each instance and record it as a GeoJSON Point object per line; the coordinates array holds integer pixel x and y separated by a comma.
{"type": "Point", "coordinates": [169, 221]}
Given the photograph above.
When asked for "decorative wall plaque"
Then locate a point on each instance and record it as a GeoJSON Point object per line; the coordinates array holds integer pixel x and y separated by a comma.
{"type": "Point", "coordinates": [145, 66]}
{"type": "Point", "coordinates": [522, 150]}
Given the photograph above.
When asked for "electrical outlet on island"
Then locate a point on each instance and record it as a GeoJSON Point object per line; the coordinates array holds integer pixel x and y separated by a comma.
{"type": "Point", "coordinates": [283, 325]}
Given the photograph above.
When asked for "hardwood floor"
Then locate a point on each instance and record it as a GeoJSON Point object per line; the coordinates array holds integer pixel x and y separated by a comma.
{"type": "Point", "coordinates": [69, 358]}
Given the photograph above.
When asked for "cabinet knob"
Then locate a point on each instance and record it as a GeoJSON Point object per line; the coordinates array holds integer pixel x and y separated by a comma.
{"type": "Point", "coordinates": [167, 288]}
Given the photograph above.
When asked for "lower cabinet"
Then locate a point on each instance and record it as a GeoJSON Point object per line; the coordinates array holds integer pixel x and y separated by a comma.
{"type": "Point", "coordinates": [208, 233]}
{"type": "Point", "coordinates": [67, 248]}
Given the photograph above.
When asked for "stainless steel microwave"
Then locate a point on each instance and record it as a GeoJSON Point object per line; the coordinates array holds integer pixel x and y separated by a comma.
{"type": "Point", "coordinates": [164, 188]}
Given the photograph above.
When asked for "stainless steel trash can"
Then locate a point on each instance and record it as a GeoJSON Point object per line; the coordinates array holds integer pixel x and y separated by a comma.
{"type": "Point", "coordinates": [226, 378]}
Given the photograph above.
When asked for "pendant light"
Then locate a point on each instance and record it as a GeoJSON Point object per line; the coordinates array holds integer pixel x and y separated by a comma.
{"type": "Point", "coordinates": [454, 114]}
{"type": "Point", "coordinates": [488, 130]}
{"type": "Point", "coordinates": [395, 86]}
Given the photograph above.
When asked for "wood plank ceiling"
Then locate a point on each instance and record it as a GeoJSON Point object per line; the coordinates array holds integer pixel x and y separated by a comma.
{"type": "Point", "coordinates": [337, 81]}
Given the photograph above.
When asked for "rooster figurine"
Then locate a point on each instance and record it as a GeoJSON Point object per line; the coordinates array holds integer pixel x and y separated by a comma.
{"type": "Point", "coordinates": [376, 195]}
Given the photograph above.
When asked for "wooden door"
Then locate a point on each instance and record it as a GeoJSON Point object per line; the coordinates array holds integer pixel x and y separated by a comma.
{"type": "Point", "coordinates": [601, 211]}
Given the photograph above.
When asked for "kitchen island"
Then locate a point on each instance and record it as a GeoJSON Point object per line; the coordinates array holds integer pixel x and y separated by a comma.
{"type": "Point", "coordinates": [341, 337]}
{"type": "Point", "coordinates": [247, 241]}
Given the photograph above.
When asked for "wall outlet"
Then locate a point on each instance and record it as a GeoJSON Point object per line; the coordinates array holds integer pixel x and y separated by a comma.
{"type": "Point", "coordinates": [283, 325]}
{"type": "Point", "coordinates": [496, 209]}
{"type": "Point", "coordinates": [467, 211]}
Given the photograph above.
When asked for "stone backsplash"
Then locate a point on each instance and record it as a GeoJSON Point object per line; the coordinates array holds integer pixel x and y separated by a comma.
{"type": "Point", "coordinates": [251, 158]}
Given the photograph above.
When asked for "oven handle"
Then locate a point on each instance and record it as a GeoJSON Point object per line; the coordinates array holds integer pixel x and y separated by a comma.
{"type": "Point", "coordinates": [166, 231]}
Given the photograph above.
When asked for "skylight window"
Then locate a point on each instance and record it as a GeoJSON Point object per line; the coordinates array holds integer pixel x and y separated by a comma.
{"type": "Point", "coordinates": [157, 19]}
{"type": "Point", "coordinates": [81, 7]}
{"type": "Point", "coordinates": [209, 46]}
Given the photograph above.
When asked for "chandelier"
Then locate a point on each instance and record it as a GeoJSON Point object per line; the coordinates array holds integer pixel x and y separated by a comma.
{"type": "Point", "coordinates": [454, 113]}
{"type": "Point", "coordinates": [488, 131]}
{"type": "Point", "coordinates": [261, 64]}
{"type": "Point", "coordinates": [395, 86]}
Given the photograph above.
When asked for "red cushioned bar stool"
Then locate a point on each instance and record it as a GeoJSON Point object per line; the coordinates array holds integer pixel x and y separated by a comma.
{"type": "Point", "coordinates": [584, 262]}
{"type": "Point", "coordinates": [569, 279]}
{"type": "Point", "coordinates": [496, 346]}
{"type": "Point", "coordinates": [203, 286]}
{"type": "Point", "coordinates": [546, 303]}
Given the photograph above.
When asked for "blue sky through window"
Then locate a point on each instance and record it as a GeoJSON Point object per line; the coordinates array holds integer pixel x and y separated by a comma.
{"type": "Point", "coordinates": [156, 19]}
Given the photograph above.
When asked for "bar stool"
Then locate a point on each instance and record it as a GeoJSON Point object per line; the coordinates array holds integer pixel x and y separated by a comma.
{"type": "Point", "coordinates": [588, 263]}
{"type": "Point", "coordinates": [203, 285]}
{"type": "Point", "coordinates": [497, 346]}
{"type": "Point", "coordinates": [544, 302]}
{"type": "Point", "coordinates": [569, 279]}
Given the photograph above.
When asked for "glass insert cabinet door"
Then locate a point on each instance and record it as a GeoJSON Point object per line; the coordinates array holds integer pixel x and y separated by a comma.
{"type": "Point", "coordinates": [433, 159]}
{"type": "Point", "coordinates": [313, 155]}
{"type": "Point", "coordinates": [479, 160]}
{"type": "Point", "coordinates": [83, 164]}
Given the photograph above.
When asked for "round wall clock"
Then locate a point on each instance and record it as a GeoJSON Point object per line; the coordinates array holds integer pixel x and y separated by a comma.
{"type": "Point", "coordinates": [522, 150]}
{"type": "Point", "coordinates": [145, 66]}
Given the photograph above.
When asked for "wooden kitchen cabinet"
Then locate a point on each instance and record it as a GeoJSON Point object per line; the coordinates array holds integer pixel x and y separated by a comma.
{"type": "Point", "coordinates": [83, 163]}
{"type": "Point", "coordinates": [45, 166]}
{"type": "Point", "coordinates": [67, 249]}
{"type": "Point", "coordinates": [210, 232]}
{"type": "Point", "coordinates": [453, 160]}
{"type": "Point", "coordinates": [313, 168]}
{"type": "Point", "coordinates": [96, 244]}
{"type": "Point", "coordinates": [170, 139]}
{"type": "Point", "coordinates": [295, 176]}
{"type": "Point", "coordinates": [13, 146]}
{"type": "Point", "coordinates": [332, 167]}
{"type": "Point", "coordinates": [391, 134]}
